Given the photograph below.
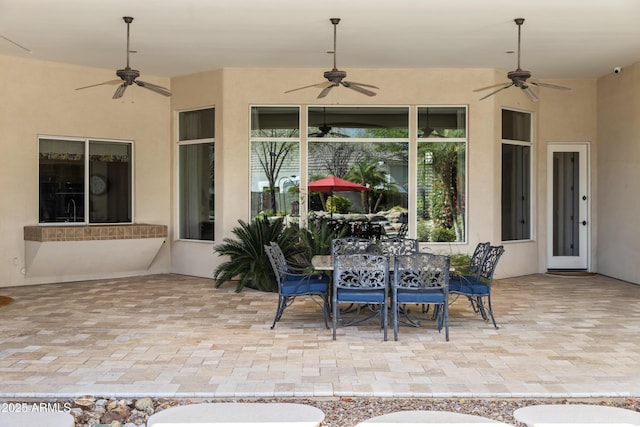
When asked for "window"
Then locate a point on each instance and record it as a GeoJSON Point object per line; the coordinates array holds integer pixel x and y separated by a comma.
{"type": "Point", "coordinates": [365, 145]}
{"type": "Point", "coordinates": [516, 175]}
{"type": "Point", "coordinates": [78, 188]}
{"type": "Point", "coordinates": [441, 174]}
{"type": "Point", "coordinates": [275, 161]}
{"type": "Point", "coordinates": [196, 208]}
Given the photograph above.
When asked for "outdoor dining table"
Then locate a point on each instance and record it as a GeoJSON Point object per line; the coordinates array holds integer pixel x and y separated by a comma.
{"type": "Point", "coordinates": [322, 262]}
{"type": "Point", "coordinates": [325, 263]}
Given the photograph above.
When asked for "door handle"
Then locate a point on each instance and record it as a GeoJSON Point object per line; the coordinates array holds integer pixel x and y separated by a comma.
{"type": "Point", "coordinates": [584, 222]}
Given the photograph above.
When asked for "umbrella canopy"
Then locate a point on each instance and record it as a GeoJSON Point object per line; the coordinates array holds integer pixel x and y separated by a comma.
{"type": "Point", "coordinates": [333, 183]}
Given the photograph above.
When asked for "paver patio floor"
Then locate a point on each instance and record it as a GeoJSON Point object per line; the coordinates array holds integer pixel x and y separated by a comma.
{"type": "Point", "coordinates": [178, 336]}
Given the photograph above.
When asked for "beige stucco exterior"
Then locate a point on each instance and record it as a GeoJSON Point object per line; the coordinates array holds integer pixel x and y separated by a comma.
{"type": "Point", "coordinates": [39, 98]}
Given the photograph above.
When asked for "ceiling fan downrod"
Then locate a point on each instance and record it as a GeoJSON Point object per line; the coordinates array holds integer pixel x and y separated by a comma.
{"type": "Point", "coordinates": [335, 22]}
{"type": "Point", "coordinates": [519, 22]}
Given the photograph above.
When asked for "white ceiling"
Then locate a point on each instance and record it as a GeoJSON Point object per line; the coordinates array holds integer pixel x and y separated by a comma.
{"type": "Point", "coordinates": [560, 38]}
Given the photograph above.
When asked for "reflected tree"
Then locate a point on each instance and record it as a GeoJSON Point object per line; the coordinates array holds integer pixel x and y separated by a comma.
{"type": "Point", "coordinates": [272, 155]}
{"type": "Point", "coordinates": [338, 157]}
{"type": "Point", "coordinates": [447, 209]}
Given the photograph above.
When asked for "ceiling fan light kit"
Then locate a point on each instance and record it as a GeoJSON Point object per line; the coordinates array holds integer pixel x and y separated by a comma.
{"type": "Point", "coordinates": [519, 77]}
{"type": "Point", "coordinates": [336, 77]}
{"type": "Point", "coordinates": [129, 76]}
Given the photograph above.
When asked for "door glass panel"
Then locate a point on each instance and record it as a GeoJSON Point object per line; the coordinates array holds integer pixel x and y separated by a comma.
{"type": "Point", "coordinates": [566, 236]}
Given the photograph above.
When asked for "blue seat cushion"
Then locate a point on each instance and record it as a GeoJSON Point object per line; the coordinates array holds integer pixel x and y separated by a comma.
{"type": "Point", "coordinates": [314, 283]}
{"type": "Point", "coordinates": [360, 295]}
{"type": "Point", "coordinates": [421, 297]}
{"type": "Point", "coordinates": [467, 285]}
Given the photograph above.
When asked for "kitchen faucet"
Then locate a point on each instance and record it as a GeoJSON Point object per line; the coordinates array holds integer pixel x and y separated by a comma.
{"type": "Point", "coordinates": [71, 203]}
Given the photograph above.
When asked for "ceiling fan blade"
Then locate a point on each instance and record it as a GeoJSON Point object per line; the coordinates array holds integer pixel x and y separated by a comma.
{"type": "Point", "coordinates": [110, 82]}
{"type": "Point", "coordinates": [158, 89]}
{"type": "Point", "coordinates": [490, 87]}
{"type": "Point", "coordinates": [357, 87]}
{"type": "Point", "coordinates": [531, 94]}
{"type": "Point", "coordinates": [120, 91]}
{"type": "Point", "coordinates": [326, 90]}
{"type": "Point", "coordinates": [362, 84]}
{"type": "Point", "coordinates": [496, 91]}
{"type": "Point", "coordinates": [16, 44]}
{"type": "Point", "coordinates": [550, 86]}
{"type": "Point", "coordinates": [321, 85]}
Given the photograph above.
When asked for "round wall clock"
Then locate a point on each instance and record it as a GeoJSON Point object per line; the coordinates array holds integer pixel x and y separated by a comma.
{"type": "Point", "coordinates": [97, 184]}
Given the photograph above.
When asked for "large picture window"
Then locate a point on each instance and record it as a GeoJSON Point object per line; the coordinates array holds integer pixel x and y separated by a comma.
{"type": "Point", "coordinates": [441, 174]}
{"type": "Point", "coordinates": [366, 146]}
{"type": "Point", "coordinates": [516, 175]}
{"type": "Point", "coordinates": [275, 162]}
{"type": "Point", "coordinates": [196, 208]}
{"type": "Point", "coordinates": [85, 181]}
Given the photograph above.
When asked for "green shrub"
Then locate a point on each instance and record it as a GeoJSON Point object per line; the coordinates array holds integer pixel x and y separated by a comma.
{"type": "Point", "coordinates": [442, 234]}
{"type": "Point", "coordinates": [460, 263]}
{"type": "Point", "coordinates": [423, 231]}
{"type": "Point", "coordinates": [338, 204]}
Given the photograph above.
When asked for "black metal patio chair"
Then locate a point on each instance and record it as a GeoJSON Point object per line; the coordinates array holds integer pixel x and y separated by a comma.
{"type": "Point", "coordinates": [477, 287]}
{"type": "Point", "coordinates": [293, 283]}
{"type": "Point", "coordinates": [420, 278]}
{"type": "Point", "coordinates": [361, 280]}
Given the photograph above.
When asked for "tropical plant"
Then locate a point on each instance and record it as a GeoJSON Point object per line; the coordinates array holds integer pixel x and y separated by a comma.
{"type": "Point", "coordinates": [442, 169]}
{"type": "Point", "coordinates": [366, 172]}
{"type": "Point", "coordinates": [248, 263]}
{"type": "Point", "coordinates": [316, 238]}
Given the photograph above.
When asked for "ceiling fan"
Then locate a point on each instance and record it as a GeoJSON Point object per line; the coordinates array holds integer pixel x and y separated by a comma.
{"type": "Point", "coordinates": [519, 77]}
{"type": "Point", "coordinates": [129, 76]}
{"type": "Point", "coordinates": [336, 77]}
{"type": "Point", "coordinates": [326, 129]}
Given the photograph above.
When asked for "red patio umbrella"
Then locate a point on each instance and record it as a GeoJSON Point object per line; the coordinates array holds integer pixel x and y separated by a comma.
{"type": "Point", "coordinates": [333, 183]}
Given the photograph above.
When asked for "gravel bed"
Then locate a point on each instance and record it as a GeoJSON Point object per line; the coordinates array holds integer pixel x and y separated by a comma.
{"type": "Point", "coordinates": [92, 411]}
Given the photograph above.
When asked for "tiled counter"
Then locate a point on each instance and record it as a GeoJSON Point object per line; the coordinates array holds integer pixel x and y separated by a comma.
{"type": "Point", "coordinates": [37, 233]}
{"type": "Point", "coordinates": [66, 253]}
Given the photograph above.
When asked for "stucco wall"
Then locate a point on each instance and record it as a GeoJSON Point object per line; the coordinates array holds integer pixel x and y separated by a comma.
{"type": "Point", "coordinates": [245, 87]}
{"type": "Point", "coordinates": [39, 98]}
{"type": "Point", "coordinates": [619, 174]}
{"type": "Point", "coordinates": [566, 117]}
{"type": "Point", "coordinates": [196, 258]}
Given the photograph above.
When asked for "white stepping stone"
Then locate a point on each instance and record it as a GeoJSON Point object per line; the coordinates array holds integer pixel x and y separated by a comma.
{"type": "Point", "coordinates": [31, 419]}
{"type": "Point", "coordinates": [566, 415]}
{"type": "Point", "coordinates": [430, 419]}
{"type": "Point", "coordinates": [238, 415]}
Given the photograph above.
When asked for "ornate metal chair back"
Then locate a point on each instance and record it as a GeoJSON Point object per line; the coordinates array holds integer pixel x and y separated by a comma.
{"type": "Point", "coordinates": [398, 246]}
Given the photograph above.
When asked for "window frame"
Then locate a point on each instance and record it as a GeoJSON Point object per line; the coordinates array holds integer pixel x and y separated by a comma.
{"type": "Point", "coordinates": [86, 170]}
{"type": "Point", "coordinates": [465, 140]}
{"type": "Point", "coordinates": [523, 143]}
{"type": "Point", "coordinates": [379, 108]}
{"type": "Point", "coordinates": [297, 138]}
{"type": "Point", "coordinates": [198, 141]}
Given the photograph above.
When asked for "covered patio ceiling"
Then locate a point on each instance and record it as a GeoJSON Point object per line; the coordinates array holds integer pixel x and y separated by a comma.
{"type": "Point", "coordinates": [560, 39]}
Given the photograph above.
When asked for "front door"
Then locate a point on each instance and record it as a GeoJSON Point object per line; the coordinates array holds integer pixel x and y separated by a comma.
{"type": "Point", "coordinates": [568, 207]}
